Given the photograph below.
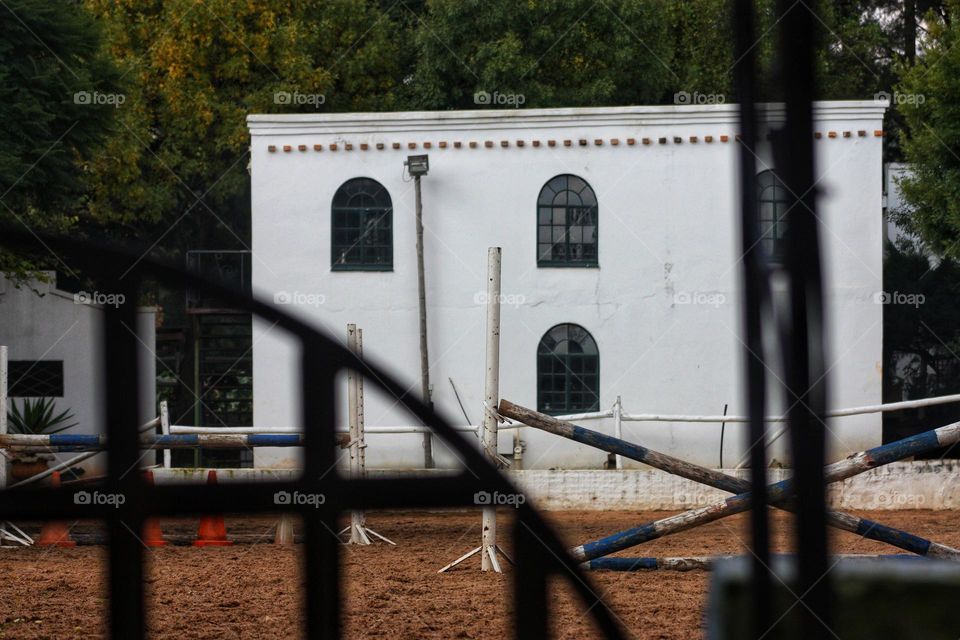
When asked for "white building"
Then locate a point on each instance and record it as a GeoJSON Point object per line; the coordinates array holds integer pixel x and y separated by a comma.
{"type": "Point", "coordinates": [54, 343]}
{"type": "Point", "coordinates": [647, 277]}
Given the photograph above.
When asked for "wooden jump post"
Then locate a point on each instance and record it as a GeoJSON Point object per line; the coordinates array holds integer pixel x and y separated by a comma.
{"type": "Point", "coordinates": [488, 548]}
{"type": "Point", "coordinates": [778, 492]}
{"type": "Point", "coordinates": [357, 446]}
{"type": "Point", "coordinates": [719, 480]}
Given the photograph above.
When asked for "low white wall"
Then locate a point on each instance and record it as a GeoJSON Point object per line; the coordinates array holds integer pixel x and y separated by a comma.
{"type": "Point", "coordinates": [903, 485]}
{"type": "Point", "coordinates": [931, 485]}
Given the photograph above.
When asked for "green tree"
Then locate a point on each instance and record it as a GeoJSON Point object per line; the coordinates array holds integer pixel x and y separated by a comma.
{"type": "Point", "coordinates": [551, 52]}
{"type": "Point", "coordinates": [921, 335]}
{"type": "Point", "coordinates": [176, 171]}
{"type": "Point", "coordinates": [58, 97]}
{"type": "Point", "coordinates": [930, 106]}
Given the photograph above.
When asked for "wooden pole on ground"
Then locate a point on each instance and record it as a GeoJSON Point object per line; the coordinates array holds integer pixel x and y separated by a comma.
{"type": "Point", "coordinates": [779, 492]}
{"type": "Point", "coordinates": [718, 480]}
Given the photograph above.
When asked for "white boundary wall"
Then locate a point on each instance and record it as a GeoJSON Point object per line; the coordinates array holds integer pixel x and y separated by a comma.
{"type": "Point", "coordinates": [932, 484]}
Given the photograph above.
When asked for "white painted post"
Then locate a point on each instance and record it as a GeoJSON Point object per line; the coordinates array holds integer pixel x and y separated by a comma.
{"type": "Point", "coordinates": [491, 399]}
{"type": "Point", "coordinates": [618, 428]}
{"type": "Point", "coordinates": [3, 412]}
{"type": "Point", "coordinates": [165, 430]}
{"type": "Point", "coordinates": [353, 392]}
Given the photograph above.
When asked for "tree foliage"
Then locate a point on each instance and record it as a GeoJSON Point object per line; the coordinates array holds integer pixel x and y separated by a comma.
{"type": "Point", "coordinates": [173, 167]}
{"type": "Point", "coordinates": [177, 167]}
{"type": "Point", "coordinates": [549, 52]}
{"type": "Point", "coordinates": [932, 144]}
{"type": "Point", "coordinates": [52, 118]}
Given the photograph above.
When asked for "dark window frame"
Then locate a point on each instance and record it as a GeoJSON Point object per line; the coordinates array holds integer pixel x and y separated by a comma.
{"type": "Point", "coordinates": [772, 191]}
{"type": "Point", "coordinates": [580, 366]}
{"type": "Point", "coordinates": [559, 187]}
{"type": "Point", "coordinates": [380, 205]}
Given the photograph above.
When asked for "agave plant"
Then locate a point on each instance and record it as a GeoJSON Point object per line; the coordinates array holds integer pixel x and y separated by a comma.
{"type": "Point", "coordinates": [38, 417]}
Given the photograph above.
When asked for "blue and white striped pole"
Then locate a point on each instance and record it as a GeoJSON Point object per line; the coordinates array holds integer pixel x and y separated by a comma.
{"type": "Point", "coordinates": [780, 491]}
{"type": "Point", "coordinates": [705, 563]}
{"type": "Point", "coordinates": [860, 526]}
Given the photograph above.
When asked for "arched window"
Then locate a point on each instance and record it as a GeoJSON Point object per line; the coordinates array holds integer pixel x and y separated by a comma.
{"type": "Point", "coordinates": [568, 371]}
{"type": "Point", "coordinates": [773, 200]}
{"type": "Point", "coordinates": [361, 227]}
{"type": "Point", "coordinates": [567, 223]}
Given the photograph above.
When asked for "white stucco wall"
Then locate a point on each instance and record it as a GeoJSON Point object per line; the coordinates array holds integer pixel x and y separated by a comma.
{"type": "Point", "coordinates": [52, 326]}
{"type": "Point", "coordinates": [666, 228]}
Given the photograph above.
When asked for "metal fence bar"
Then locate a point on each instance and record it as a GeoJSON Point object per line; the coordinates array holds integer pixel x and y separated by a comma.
{"type": "Point", "coordinates": [125, 552]}
{"type": "Point", "coordinates": [755, 279]}
{"type": "Point", "coordinates": [802, 335]}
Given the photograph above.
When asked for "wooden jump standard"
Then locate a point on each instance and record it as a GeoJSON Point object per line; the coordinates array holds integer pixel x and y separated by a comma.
{"type": "Point", "coordinates": [780, 492]}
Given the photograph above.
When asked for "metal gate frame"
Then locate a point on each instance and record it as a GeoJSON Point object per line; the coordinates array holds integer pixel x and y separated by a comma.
{"type": "Point", "coordinates": [539, 551]}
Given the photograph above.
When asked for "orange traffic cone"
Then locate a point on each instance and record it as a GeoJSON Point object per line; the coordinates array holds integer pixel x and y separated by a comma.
{"type": "Point", "coordinates": [55, 532]}
{"type": "Point", "coordinates": [152, 534]}
{"type": "Point", "coordinates": [213, 532]}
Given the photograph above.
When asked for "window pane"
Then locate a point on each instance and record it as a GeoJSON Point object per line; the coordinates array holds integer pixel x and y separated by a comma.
{"type": "Point", "coordinates": [361, 233]}
{"type": "Point", "coordinates": [567, 371]}
{"type": "Point", "coordinates": [574, 203]}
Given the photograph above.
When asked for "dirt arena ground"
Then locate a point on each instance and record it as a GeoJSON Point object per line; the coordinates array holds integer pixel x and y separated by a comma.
{"type": "Point", "coordinates": [253, 590]}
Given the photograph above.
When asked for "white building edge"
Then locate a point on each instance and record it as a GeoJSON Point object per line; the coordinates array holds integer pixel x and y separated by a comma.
{"type": "Point", "coordinates": [663, 303]}
{"type": "Point", "coordinates": [55, 342]}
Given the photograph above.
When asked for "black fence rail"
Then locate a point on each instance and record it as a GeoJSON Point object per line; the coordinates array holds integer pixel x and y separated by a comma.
{"type": "Point", "coordinates": [540, 553]}
{"type": "Point", "coordinates": [539, 550]}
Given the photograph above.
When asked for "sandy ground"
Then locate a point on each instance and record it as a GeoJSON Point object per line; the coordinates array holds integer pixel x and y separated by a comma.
{"type": "Point", "coordinates": [253, 590]}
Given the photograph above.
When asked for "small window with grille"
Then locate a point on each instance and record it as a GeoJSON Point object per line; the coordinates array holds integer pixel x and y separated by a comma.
{"type": "Point", "coordinates": [567, 223]}
{"type": "Point", "coordinates": [773, 201]}
{"type": "Point", "coordinates": [568, 371]}
{"type": "Point", "coordinates": [362, 227]}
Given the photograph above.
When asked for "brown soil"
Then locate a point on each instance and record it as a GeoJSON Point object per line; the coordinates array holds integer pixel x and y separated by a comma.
{"type": "Point", "coordinates": [254, 590]}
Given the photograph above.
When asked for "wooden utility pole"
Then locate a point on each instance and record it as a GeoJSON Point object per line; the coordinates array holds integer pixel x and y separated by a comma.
{"type": "Point", "coordinates": [422, 293]}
